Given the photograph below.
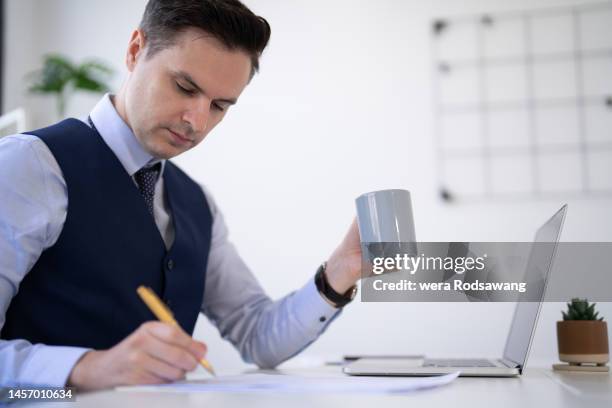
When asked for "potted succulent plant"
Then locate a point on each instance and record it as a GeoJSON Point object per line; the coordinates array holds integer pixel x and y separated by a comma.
{"type": "Point", "coordinates": [582, 336]}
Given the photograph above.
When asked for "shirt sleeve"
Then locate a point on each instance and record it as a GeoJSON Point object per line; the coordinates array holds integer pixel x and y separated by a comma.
{"type": "Point", "coordinates": [32, 213]}
{"type": "Point", "coordinates": [265, 332]}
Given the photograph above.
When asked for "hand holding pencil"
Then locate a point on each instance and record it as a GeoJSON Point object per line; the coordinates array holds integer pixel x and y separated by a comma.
{"type": "Point", "coordinates": [161, 311]}
{"type": "Point", "coordinates": [154, 353]}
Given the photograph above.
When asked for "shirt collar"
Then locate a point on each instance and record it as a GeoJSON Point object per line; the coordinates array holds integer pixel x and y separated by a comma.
{"type": "Point", "coordinates": [120, 138]}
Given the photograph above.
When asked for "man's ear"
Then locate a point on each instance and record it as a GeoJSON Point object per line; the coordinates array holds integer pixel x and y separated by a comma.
{"type": "Point", "coordinates": [136, 49]}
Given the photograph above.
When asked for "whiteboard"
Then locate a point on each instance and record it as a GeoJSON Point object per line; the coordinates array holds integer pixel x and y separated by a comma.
{"type": "Point", "coordinates": [523, 103]}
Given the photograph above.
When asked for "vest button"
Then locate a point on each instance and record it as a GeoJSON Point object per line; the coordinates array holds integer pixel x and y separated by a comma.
{"type": "Point", "coordinates": [170, 264]}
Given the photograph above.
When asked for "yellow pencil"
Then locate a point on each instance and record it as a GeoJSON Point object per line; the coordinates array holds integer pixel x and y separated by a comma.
{"type": "Point", "coordinates": [161, 311]}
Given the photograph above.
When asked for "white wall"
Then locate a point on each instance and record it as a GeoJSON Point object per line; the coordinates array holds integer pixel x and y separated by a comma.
{"type": "Point", "coordinates": [342, 106]}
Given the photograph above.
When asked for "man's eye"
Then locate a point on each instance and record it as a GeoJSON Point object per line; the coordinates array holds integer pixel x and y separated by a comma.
{"type": "Point", "coordinates": [218, 107]}
{"type": "Point", "coordinates": [184, 90]}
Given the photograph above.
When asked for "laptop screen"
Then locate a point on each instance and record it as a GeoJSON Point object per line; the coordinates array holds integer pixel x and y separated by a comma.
{"type": "Point", "coordinates": [537, 270]}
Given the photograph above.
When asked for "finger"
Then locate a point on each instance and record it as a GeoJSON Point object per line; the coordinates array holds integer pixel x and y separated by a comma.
{"type": "Point", "coordinates": [160, 369]}
{"type": "Point", "coordinates": [143, 376]}
{"type": "Point", "coordinates": [169, 333]}
{"type": "Point", "coordinates": [200, 349]}
{"type": "Point", "coordinates": [352, 235]}
{"type": "Point", "coordinates": [177, 336]}
{"type": "Point", "coordinates": [171, 354]}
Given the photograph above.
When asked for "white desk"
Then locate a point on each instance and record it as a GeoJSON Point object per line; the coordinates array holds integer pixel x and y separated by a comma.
{"type": "Point", "coordinates": [538, 387]}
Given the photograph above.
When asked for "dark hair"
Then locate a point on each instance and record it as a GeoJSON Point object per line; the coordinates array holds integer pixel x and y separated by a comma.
{"type": "Point", "coordinates": [229, 21]}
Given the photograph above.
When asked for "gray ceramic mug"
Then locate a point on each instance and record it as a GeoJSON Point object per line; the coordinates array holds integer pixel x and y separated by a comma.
{"type": "Point", "coordinates": [386, 226]}
{"type": "Point", "coordinates": [385, 216]}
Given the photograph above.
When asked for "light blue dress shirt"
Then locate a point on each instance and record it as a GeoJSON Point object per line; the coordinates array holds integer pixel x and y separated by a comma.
{"type": "Point", "coordinates": [33, 209]}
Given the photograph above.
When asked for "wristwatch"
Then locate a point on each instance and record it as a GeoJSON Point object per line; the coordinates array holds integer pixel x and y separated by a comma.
{"type": "Point", "coordinates": [337, 299]}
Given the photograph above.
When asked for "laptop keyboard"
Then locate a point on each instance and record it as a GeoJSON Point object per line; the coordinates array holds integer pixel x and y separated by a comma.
{"type": "Point", "coordinates": [458, 362]}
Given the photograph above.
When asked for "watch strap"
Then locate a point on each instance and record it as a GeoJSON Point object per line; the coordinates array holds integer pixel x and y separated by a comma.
{"type": "Point", "coordinates": [337, 299]}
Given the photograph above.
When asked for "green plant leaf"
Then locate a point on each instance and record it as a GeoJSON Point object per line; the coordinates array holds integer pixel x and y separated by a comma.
{"type": "Point", "coordinates": [54, 75]}
{"type": "Point", "coordinates": [59, 76]}
{"type": "Point", "coordinates": [86, 83]}
{"type": "Point", "coordinates": [92, 76]}
{"type": "Point", "coordinates": [94, 65]}
{"type": "Point", "coordinates": [580, 309]}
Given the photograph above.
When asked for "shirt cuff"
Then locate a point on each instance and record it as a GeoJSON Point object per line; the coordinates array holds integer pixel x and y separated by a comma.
{"type": "Point", "coordinates": [311, 310]}
{"type": "Point", "coordinates": [50, 365]}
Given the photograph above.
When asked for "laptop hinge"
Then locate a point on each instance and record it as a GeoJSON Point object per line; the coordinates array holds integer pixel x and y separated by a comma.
{"type": "Point", "coordinates": [510, 363]}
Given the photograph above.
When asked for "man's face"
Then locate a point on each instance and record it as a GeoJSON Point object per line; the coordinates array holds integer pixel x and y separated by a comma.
{"type": "Point", "coordinates": [174, 98]}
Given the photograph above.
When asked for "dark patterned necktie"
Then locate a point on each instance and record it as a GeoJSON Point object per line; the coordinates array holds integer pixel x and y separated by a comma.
{"type": "Point", "coordinates": [146, 179]}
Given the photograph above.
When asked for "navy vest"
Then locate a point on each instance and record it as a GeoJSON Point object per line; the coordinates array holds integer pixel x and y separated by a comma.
{"type": "Point", "coordinates": [82, 290]}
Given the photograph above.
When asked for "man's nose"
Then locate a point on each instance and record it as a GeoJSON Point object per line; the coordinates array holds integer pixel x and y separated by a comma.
{"type": "Point", "coordinates": [197, 116]}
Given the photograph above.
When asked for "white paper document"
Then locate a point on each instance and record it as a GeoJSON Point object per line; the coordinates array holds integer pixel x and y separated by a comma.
{"type": "Point", "coordinates": [277, 383]}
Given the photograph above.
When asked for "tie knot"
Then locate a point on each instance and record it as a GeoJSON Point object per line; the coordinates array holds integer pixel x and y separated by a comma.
{"type": "Point", "coordinates": [146, 179]}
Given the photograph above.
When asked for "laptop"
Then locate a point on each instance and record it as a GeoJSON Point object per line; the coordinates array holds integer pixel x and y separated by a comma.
{"type": "Point", "coordinates": [519, 337]}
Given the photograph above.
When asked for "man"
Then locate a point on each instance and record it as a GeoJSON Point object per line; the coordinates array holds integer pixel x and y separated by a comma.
{"type": "Point", "coordinates": [92, 208]}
